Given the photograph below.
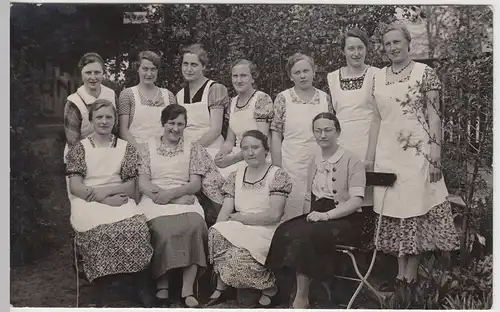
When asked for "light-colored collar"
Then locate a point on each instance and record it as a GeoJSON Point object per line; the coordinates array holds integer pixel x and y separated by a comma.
{"type": "Point", "coordinates": [333, 159]}
{"type": "Point", "coordinates": [89, 99]}
{"type": "Point", "coordinates": [86, 97]}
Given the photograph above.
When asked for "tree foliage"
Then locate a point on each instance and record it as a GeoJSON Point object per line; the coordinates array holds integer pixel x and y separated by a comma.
{"type": "Point", "coordinates": [59, 34]}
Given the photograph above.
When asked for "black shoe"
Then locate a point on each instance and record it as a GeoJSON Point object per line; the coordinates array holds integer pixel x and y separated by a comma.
{"type": "Point", "coordinates": [184, 305]}
{"type": "Point", "coordinates": [162, 302]}
{"type": "Point", "coordinates": [272, 304]}
{"type": "Point", "coordinates": [222, 297]}
{"type": "Point", "coordinates": [146, 298]}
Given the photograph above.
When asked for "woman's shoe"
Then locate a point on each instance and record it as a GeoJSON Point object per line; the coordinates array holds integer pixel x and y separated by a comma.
{"type": "Point", "coordinates": [162, 302]}
{"type": "Point", "coordinates": [272, 300]}
{"type": "Point", "coordinates": [222, 297]}
{"type": "Point", "coordinates": [184, 304]}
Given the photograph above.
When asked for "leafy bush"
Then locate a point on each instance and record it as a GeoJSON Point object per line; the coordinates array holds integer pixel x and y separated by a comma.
{"type": "Point", "coordinates": [441, 287]}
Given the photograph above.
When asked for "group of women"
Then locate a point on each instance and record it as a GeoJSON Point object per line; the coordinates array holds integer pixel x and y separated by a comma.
{"type": "Point", "coordinates": [290, 175]}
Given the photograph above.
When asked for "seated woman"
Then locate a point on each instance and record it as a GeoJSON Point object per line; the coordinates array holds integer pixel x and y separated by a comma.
{"type": "Point", "coordinates": [250, 109]}
{"type": "Point", "coordinates": [170, 174]}
{"type": "Point", "coordinates": [307, 243]}
{"type": "Point", "coordinates": [112, 234]}
{"type": "Point", "coordinates": [253, 206]}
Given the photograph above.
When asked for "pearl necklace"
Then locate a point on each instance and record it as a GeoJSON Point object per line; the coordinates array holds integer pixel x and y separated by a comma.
{"type": "Point", "coordinates": [401, 70]}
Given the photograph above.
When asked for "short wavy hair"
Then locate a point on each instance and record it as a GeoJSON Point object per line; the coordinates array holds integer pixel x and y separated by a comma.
{"type": "Point", "coordinates": [150, 56]}
{"type": "Point", "coordinates": [395, 26]}
{"type": "Point", "coordinates": [295, 58]}
{"type": "Point", "coordinates": [251, 65]}
{"type": "Point", "coordinates": [355, 33]}
{"type": "Point", "coordinates": [89, 58]}
{"type": "Point", "coordinates": [171, 112]}
{"type": "Point", "coordinates": [199, 51]}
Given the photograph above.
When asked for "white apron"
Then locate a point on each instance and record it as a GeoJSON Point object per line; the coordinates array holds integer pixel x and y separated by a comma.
{"type": "Point", "coordinates": [80, 98]}
{"type": "Point", "coordinates": [167, 173]}
{"type": "Point", "coordinates": [198, 119]}
{"type": "Point", "coordinates": [355, 113]}
{"type": "Point", "coordinates": [412, 195]}
{"type": "Point", "coordinates": [240, 122]}
{"type": "Point", "coordinates": [298, 149]}
{"type": "Point", "coordinates": [103, 169]}
{"type": "Point", "coordinates": [146, 123]}
{"type": "Point", "coordinates": [254, 238]}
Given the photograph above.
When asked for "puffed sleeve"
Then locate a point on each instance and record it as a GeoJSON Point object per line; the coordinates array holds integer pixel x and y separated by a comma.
{"type": "Point", "coordinates": [130, 164]}
{"type": "Point", "coordinates": [72, 123]}
{"type": "Point", "coordinates": [330, 104]}
{"type": "Point", "coordinates": [278, 120]}
{"type": "Point", "coordinates": [430, 80]}
{"type": "Point", "coordinates": [201, 163]}
{"type": "Point", "coordinates": [229, 185]}
{"type": "Point", "coordinates": [281, 184]}
{"type": "Point", "coordinates": [75, 161]}
{"type": "Point", "coordinates": [357, 178]}
{"type": "Point", "coordinates": [125, 102]}
{"type": "Point", "coordinates": [145, 159]}
{"type": "Point", "coordinates": [199, 160]}
{"type": "Point", "coordinates": [171, 98]}
{"type": "Point", "coordinates": [218, 97]}
{"type": "Point", "coordinates": [263, 108]}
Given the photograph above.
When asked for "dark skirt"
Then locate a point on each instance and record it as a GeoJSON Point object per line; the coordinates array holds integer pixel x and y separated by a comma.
{"type": "Point", "coordinates": [178, 241]}
{"type": "Point", "coordinates": [310, 247]}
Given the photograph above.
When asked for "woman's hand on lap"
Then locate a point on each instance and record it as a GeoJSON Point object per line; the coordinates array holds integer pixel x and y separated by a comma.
{"type": "Point", "coordinates": [317, 216]}
{"type": "Point", "coordinates": [116, 200]}
{"type": "Point", "coordinates": [236, 217]}
{"type": "Point", "coordinates": [97, 195]}
{"type": "Point", "coordinates": [184, 200]}
{"type": "Point", "coordinates": [163, 197]}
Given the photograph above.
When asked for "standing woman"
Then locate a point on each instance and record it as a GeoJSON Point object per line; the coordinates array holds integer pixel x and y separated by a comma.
{"type": "Point", "coordinates": [417, 215]}
{"type": "Point", "coordinates": [204, 99]}
{"type": "Point", "coordinates": [140, 106]}
{"type": "Point", "coordinates": [77, 125]}
{"type": "Point", "coordinates": [351, 90]}
{"type": "Point", "coordinates": [293, 144]}
{"type": "Point", "coordinates": [250, 109]}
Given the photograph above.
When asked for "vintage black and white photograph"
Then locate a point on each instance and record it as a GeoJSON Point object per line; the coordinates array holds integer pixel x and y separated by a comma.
{"type": "Point", "coordinates": [303, 156]}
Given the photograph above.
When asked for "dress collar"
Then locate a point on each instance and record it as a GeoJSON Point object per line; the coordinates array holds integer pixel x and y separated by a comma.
{"type": "Point", "coordinates": [86, 97]}
{"type": "Point", "coordinates": [333, 159]}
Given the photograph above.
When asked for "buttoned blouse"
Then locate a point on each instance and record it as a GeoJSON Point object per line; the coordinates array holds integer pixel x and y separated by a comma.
{"type": "Point", "coordinates": [340, 177]}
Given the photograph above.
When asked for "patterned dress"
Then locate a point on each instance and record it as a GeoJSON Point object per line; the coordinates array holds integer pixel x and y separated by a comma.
{"type": "Point", "coordinates": [111, 240]}
{"type": "Point", "coordinates": [293, 118]}
{"type": "Point", "coordinates": [126, 102]}
{"type": "Point", "coordinates": [237, 250]}
{"type": "Point", "coordinates": [179, 232]}
{"type": "Point", "coordinates": [433, 230]}
{"type": "Point", "coordinates": [244, 117]}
